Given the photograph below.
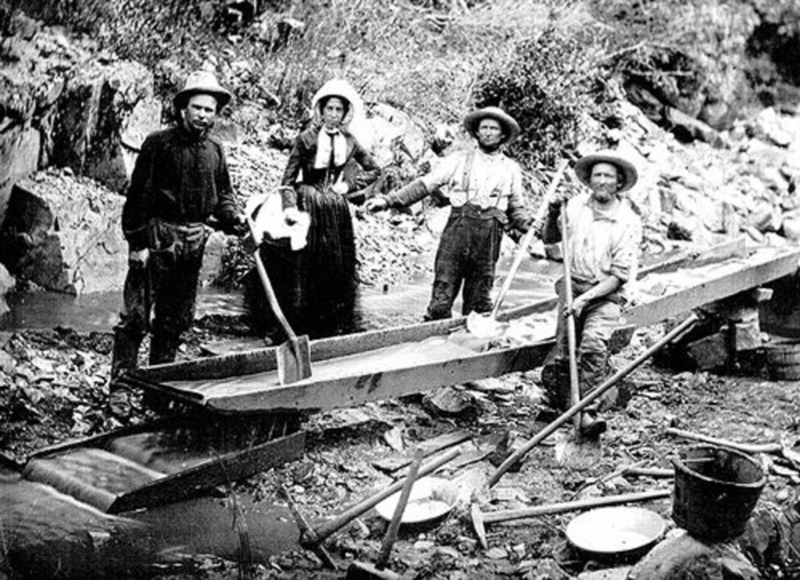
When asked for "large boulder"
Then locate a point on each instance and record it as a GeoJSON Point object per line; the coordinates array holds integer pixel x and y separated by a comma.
{"type": "Point", "coordinates": [107, 109]}
{"type": "Point", "coordinates": [64, 234]}
{"type": "Point", "coordinates": [32, 64]}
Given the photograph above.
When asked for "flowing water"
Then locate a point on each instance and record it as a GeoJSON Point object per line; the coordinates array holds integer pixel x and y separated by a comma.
{"type": "Point", "coordinates": [389, 306]}
{"type": "Point", "coordinates": [226, 526]}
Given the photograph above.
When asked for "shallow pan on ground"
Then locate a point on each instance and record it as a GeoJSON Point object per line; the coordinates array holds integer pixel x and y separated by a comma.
{"type": "Point", "coordinates": [431, 499]}
{"type": "Point", "coordinates": [613, 531]}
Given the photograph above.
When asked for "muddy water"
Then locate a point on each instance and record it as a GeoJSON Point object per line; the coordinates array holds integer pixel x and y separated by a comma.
{"type": "Point", "coordinates": [96, 311]}
{"type": "Point", "coordinates": [34, 516]}
{"type": "Point", "coordinates": [389, 306]}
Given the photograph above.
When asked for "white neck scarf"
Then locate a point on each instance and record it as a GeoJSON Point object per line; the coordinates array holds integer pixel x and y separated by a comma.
{"type": "Point", "coordinates": [328, 142]}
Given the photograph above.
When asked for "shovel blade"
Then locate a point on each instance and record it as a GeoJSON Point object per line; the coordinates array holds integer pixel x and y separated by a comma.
{"type": "Point", "coordinates": [294, 360]}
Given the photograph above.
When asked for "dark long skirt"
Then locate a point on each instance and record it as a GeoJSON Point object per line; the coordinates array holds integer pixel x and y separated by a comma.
{"type": "Point", "coordinates": [328, 275]}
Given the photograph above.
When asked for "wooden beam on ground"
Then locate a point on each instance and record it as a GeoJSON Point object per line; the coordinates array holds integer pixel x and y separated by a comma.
{"type": "Point", "coordinates": [396, 461]}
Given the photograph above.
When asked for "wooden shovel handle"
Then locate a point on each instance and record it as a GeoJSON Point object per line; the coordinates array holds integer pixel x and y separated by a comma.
{"type": "Point", "coordinates": [397, 517]}
{"type": "Point", "coordinates": [591, 397]}
{"type": "Point", "coordinates": [569, 506]}
{"type": "Point", "coordinates": [569, 319]}
{"type": "Point", "coordinates": [330, 527]}
{"type": "Point", "coordinates": [522, 249]}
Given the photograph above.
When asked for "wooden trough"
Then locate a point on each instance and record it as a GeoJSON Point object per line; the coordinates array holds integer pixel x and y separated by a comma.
{"type": "Point", "coordinates": [351, 370]}
{"type": "Point", "coordinates": [167, 460]}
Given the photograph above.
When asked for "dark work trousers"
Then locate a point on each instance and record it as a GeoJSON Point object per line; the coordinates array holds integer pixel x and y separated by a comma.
{"type": "Point", "coordinates": [593, 330]}
{"type": "Point", "coordinates": [467, 255]}
{"type": "Point", "coordinates": [167, 287]}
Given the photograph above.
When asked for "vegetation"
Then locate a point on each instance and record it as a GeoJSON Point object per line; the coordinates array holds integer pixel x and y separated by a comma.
{"type": "Point", "coordinates": [549, 62]}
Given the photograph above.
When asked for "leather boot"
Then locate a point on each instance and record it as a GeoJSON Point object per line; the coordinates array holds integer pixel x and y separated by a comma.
{"type": "Point", "coordinates": [125, 355]}
{"type": "Point", "coordinates": [163, 349]}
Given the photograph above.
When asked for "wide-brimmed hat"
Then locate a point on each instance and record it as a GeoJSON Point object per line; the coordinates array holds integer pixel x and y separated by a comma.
{"type": "Point", "coordinates": [510, 126]}
{"type": "Point", "coordinates": [202, 82]}
{"type": "Point", "coordinates": [336, 88]}
{"type": "Point", "coordinates": [583, 168]}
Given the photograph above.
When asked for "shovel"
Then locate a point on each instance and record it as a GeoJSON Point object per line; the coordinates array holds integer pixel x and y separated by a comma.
{"type": "Point", "coordinates": [294, 355]}
{"type": "Point", "coordinates": [569, 320]}
{"type": "Point", "coordinates": [484, 326]}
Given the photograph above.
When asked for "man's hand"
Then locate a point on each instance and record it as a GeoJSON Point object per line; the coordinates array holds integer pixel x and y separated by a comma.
{"type": "Point", "coordinates": [377, 203]}
{"type": "Point", "coordinates": [238, 227]}
{"type": "Point", "coordinates": [340, 188]}
{"type": "Point", "coordinates": [139, 256]}
{"type": "Point", "coordinates": [578, 306]}
{"type": "Point", "coordinates": [556, 202]}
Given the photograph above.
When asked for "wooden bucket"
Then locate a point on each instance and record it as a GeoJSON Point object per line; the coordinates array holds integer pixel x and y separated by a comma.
{"type": "Point", "coordinates": [715, 491]}
{"type": "Point", "coordinates": [783, 361]}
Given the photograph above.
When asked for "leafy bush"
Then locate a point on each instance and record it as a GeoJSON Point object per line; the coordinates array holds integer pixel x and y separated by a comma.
{"type": "Point", "coordinates": [774, 49]}
{"type": "Point", "coordinates": [546, 86]}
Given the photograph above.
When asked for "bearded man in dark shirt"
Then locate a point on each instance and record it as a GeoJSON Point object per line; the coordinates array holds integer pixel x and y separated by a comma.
{"type": "Point", "coordinates": [179, 182]}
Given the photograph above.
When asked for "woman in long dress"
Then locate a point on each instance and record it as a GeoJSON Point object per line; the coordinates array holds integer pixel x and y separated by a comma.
{"type": "Point", "coordinates": [326, 165]}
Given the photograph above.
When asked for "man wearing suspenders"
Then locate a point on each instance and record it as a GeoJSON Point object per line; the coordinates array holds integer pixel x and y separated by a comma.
{"type": "Point", "coordinates": [484, 188]}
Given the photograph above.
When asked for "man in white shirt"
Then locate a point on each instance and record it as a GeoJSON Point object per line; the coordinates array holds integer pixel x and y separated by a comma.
{"type": "Point", "coordinates": [603, 243]}
{"type": "Point", "coordinates": [484, 188]}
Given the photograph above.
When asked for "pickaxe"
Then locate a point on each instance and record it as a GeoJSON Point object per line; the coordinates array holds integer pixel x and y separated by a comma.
{"type": "Point", "coordinates": [588, 399]}
{"type": "Point", "coordinates": [312, 538]}
{"type": "Point", "coordinates": [480, 519]}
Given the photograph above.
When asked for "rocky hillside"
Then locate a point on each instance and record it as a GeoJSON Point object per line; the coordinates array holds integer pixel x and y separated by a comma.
{"type": "Point", "coordinates": [701, 96]}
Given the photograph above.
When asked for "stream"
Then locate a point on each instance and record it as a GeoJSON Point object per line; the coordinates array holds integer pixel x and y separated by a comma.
{"type": "Point", "coordinates": [405, 303]}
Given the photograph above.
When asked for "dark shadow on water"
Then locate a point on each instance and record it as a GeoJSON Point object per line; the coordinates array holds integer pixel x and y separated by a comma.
{"type": "Point", "coordinates": [97, 311]}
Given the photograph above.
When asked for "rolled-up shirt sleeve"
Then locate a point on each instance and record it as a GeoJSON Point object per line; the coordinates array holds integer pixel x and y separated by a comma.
{"type": "Point", "coordinates": [517, 211]}
{"type": "Point", "coordinates": [443, 172]}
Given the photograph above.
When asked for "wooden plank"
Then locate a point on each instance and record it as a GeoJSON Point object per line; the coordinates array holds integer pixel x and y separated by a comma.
{"type": "Point", "coordinates": [224, 470]}
{"type": "Point", "coordinates": [397, 461]}
{"type": "Point", "coordinates": [263, 359]}
{"type": "Point", "coordinates": [722, 281]}
{"type": "Point", "coordinates": [669, 263]}
{"type": "Point", "coordinates": [101, 440]}
{"type": "Point", "coordinates": [352, 390]}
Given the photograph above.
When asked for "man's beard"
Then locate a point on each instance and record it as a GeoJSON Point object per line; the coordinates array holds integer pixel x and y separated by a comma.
{"type": "Point", "coordinates": [604, 195]}
{"type": "Point", "coordinates": [197, 129]}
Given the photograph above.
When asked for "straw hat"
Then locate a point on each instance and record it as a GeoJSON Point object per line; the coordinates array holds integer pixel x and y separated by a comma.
{"type": "Point", "coordinates": [583, 168]}
{"type": "Point", "coordinates": [510, 126]}
{"type": "Point", "coordinates": [336, 88]}
{"type": "Point", "coordinates": [202, 82]}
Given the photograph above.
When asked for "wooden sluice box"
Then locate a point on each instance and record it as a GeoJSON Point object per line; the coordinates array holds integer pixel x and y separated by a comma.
{"type": "Point", "coordinates": [384, 364]}
{"type": "Point", "coordinates": [247, 422]}
{"type": "Point", "coordinates": [167, 460]}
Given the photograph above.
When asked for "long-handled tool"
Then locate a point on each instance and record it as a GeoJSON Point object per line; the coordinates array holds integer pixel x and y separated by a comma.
{"type": "Point", "coordinates": [484, 326]}
{"type": "Point", "coordinates": [569, 320]}
{"type": "Point", "coordinates": [294, 355]}
{"type": "Point", "coordinates": [312, 538]}
{"type": "Point", "coordinates": [365, 570]}
{"type": "Point", "coordinates": [480, 519]}
{"type": "Point", "coordinates": [679, 330]}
